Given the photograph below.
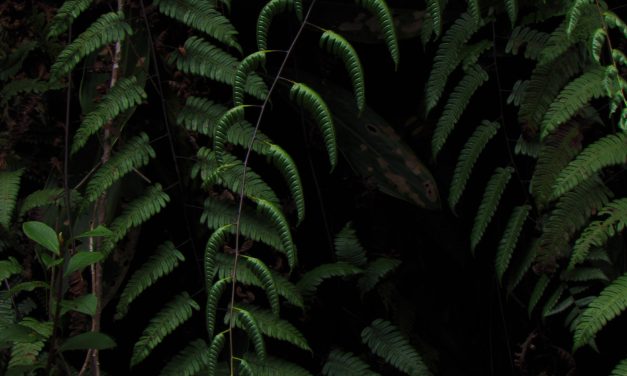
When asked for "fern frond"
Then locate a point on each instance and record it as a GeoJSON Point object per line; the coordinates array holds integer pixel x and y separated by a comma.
{"type": "Point", "coordinates": [229, 118]}
{"type": "Point", "coordinates": [309, 282]}
{"type": "Point", "coordinates": [434, 7]}
{"type": "Point", "coordinates": [306, 97]}
{"type": "Point", "coordinates": [169, 318]}
{"type": "Point", "coordinates": [275, 216]}
{"type": "Point", "coordinates": [274, 327]}
{"type": "Point", "coordinates": [213, 298]}
{"type": "Point", "coordinates": [165, 259]}
{"type": "Point", "coordinates": [217, 344]}
{"type": "Point", "coordinates": [520, 268]}
{"type": "Point", "coordinates": [470, 53]}
{"type": "Point", "coordinates": [573, 98]}
{"type": "Point", "coordinates": [620, 369]}
{"type": "Point", "coordinates": [202, 16]}
{"type": "Point", "coordinates": [248, 322]}
{"type": "Point", "coordinates": [136, 153]}
{"type": "Point", "coordinates": [267, 14]}
{"type": "Point", "coordinates": [9, 267]}
{"type": "Point", "coordinates": [11, 62]}
{"type": "Point", "coordinates": [381, 11]}
{"type": "Point", "coordinates": [583, 275]}
{"type": "Point", "coordinates": [340, 47]}
{"type": "Point", "coordinates": [9, 187]}
{"type": "Point", "coordinates": [42, 197]}
{"type": "Point", "coordinates": [267, 279]}
{"type": "Point", "coordinates": [468, 157]}
{"type": "Point", "coordinates": [16, 87]}
{"type": "Point", "coordinates": [613, 21]}
{"type": "Point", "coordinates": [126, 94]}
{"type": "Point", "coordinates": [215, 242]}
{"type": "Point", "coordinates": [533, 39]}
{"type": "Point", "coordinates": [574, 13]}
{"type": "Point", "coordinates": [375, 272]}
{"type": "Point", "coordinates": [386, 341]}
{"type": "Point", "coordinates": [65, 15]}
{"type": "Point", "coordinates": [447, 57]}
{"type": "Point", "coordinates": [510, 239]}
{"type": "Point", "coordinates": [202, 58]}
{"type": "Point", "coordinates": [597, 41]}
{"type": "Point", "coordinates": [456, 104]}
{"type": "Point", "coordinates": [598, 232]}
{"type": "Point", "coordinates": [26, 353]}
{"type": "Point", "coordinates": [552, 300]}
{"type": "Point", "coordinates": [200, 115]}
{"type": "Point", "coordinates": [272, 366]}
{"type": "Point", "coordinates": [287, 167]}
{"type": "Point", "coordinates": [247, 66]}
{"type": "Point", "coordinates": [537, 292]}
{"type": "Point", "coordinates": [491, 197]}
{"type": "Point", "coordinates": [609, 150]}
{"type": "Point", "coordinates": [348, 248]}
{"type": "Point", "coordinates": [109, 28]}
{"type": "Point", "coordinates": [188, 362]}
{"type": "Point", "coordinates": [340, 363]}
{"type": "Point", "coordinates": [511, 6]}
{"type": "Point", "coordinates": [609, 304]}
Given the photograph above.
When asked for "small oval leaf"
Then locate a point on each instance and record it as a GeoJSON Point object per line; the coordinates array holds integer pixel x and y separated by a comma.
{"type": "Point", "coordinates": [98, 231]}
{"type": "Point", "coordinates": [89, 340]}
{"type": "Point", "coordinates": [81, 260]}
{"type": "Point", "coordinates": [43, 235]}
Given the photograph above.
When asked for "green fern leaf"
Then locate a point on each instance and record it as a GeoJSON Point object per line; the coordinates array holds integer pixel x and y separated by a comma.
{"type": "Point", "coordinates": [572, 98]}
{"type": "Point", "coordinates": [9, 187]}
{"type": "Point", "coordinates": [12, 61]}
{"type": "Point", "coordinates": [609, 150]}
{"type": "Point", "coordinates": [215, 242]}
{"type": "Point", "coordinates": [468, 157]}
{"type": "Point", "coordinates": [229, 118]}
{"type": "Point", "coordinates": [489, 202]}
{"type": "Point", "coordinates": [267, 14]}
{"type": "Point", "coordinates": [265, 276]}
{"type": "Point", "coordinates": [287, 167]}
{"type": "Point", "coordinates": [200, 115]}
{"type": "Point", "coordinates": [538, 291]}
{"type": "Point", "coordinates": [43, 197]}
{"type": "Point", "coordinates": [65, 15]}
{"type": "Point", "coordinates": [16, 87]}
{"type": "Point", "coordinates": [126, 94]}
{"type": "Point", "coordinates": [9, 267]}
{"type": "Point", "coordinates": [533, 39]}
{"type": "Point", "coordinates": [165, 259]}
{"type": "Point", "coordinates": [375, 272]}
{"type": "Point", "coordinates": [386, 341]}
{"type": "Point", "coordinates": [447, 57]}
{"type": "Point", "coordinates": [381, 11]}
{"type": "Point", "coordinates": [247, 321]}
{"type": "Point", "coordinates": [217, 344]}
{"type": "Point", "coordinates": [583, 275]}
{"type": "Point", "coordinates": [306, 97]}
{"type": "Point", "coordinates": [552, 300]}
{"type": "Point", "coordinates": [309, 282]}
{"type": "Point", "coordinates": [520, 268]}
{"type": "Point", "coordinates": [135, 153]}
{"type": "Point", "coordinates": [469, 56]}
{"type": "Point", "coordinates": [340, 363]}
{"type": "Point", "coordinates": [511, 6]}
{"type": "Point", "coordinates": [614, 22]}
{"type": "Point", "coordinates": [24, 354]}
{"type": "Point", "coordinates": [109, 28]}
{"type": "Point", "coordinates": [274, 366]}
{"type": "Point", "coordinates": [169, 318]}
{"type": "Point", "coordinates": [270, 211]}
{"type": "Point", "coordinates": [202, 16]}
{"type": "Point", "coordinates": [337, 45]}
{"type": "Point", "coordinates": [348, 248]}
{"type": "Point", "coordinates": [213, 298]}
{"type": "Point", "coordinates": [202, 58]}
{"type": "Point", "coordinates": [435, 12]}
{"type": "Point", "coordinates": [188, 362]}
{"type": "Point", "coordinates": [574, 13]}
{"type": "Point", "coordinates": [620, 369]}
{"type": "Point", "coordinates": [597, 41]}
{"type": "Point", "coordinates": [609, 304]}
{"type": "Point", "coordinates": [248, 65]}
{"type": "Point", "coordinates": [509, 239]}
{"type": "Point", "coordinates": [456, 104]}
{"type": "Point", "coordinates": [474, 9]}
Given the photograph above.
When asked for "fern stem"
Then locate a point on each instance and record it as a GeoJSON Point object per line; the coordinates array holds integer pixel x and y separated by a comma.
{"type": "Point", "coordinates": [243, 184]}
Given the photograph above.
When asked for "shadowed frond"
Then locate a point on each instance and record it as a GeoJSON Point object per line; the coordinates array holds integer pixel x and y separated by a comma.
{"type": "Point", "coordinates": [267, 14]}
{"type": "Point", "coordinates": [213, 298]}
{"type": "Point", "coordinates": [511, 6]}
{"type": "Point", "coordinates": [532, 39]}
{"type": "Point", "coordinates": [263, 273]}
{"type": "Point", "coordinates": [188, 362]}
{"type": "Point", "coordinates": [520, 268]}
{"type": "Point", "coordinates": [200, 115]}
{"type": "Point", "coordinates": [244, 69]}
{"type": "Point", "coordinates": [340, 363]}
{"type": "Point", "coordinates": [9, 187]}
{"type": "Point", "coordinates": [537, 292]}
{"type": "Point", "coordinates": [510, 239]}
{"type": "Point", "coordinates": [620, 369]}
{"type": "Point", "coordinates": [574, 13]}
{"type": "Point", "coordinates": [434, 7]}
{"type": "Point", "coordinates": [375, 272]}
{"type": "Point", "coordinates": [348, 248]}
{"type": "Point", "coordinates": [309, 282]}
{"type": "Point", "coordinates": [65, 15]}
{"type": "Point", "coordinates": [217, 344]}
{"type": "Point", "coordinates": [381, 11]}
{"type": "Point", "coordinates": [272, 366]}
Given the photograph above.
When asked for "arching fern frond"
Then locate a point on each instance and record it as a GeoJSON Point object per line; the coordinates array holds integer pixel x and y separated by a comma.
{"type": "Point", "coordinates": [200, 115]}
{"type": "Point", "coordinates": [65, 15]}
{"type": "Point", "coordinates": [537, 292]}
{"type": "Point", "coordinates": [609, 304]}
{"type": "Point", "coordinates": [232, 116]}
{"type": "Point", "coordinates": [456, 104]}
{"type": "Point", "coordinates": [248, 322]}
{"type": "Point", "coordinates": [533, 39]}
{"type": "Point", "coordinates": [264, 275]}
{"type": "Point", "coordinates": [287, 167]}
{"type": "Point", "coordinates": [510, 239]}
{"type": "Point", "coordinates": [609, 150]}
{"type": "Point", "coordinates": [348, 248]}
{"type": "Point", "coordinates": [215, 242]}
{"type": "Point", "coordinates": [202, 58]}
{"type": "Point", "coordinates": [202, 16]}
{"type": "Point", "coordinates": [583, 274]}
{"type": "Point", "coordinates": [375, 272]}
{"type": "Point", "coordinates": [520, 268]}
{"type": "Point", "coordinates": [274, 215]}
{"type": "Point", "coordinates": [340, 363]}
{"type": "Point", "coordinates": [9, 187]}
{"type": "Point", "coordinates": [188, 362]}
{"type": "Point", "coordinates": [381, 11]}
{"type": "Point", "coordinates": [573, 98]}
{"type": "Point", "coordinates": [306, 97]}
{"type": "Point", "coordinates": [136, 153]}
{"type": "Point", "coordinates": [126, 94]}
{"type": "Point", "coordinates": [491, 197]}
{"type": "Point", "coordinates": [25, 354]}
{"type": "Point", "coordinates": [109, 28]}
{"type": "Point", "coordinates": [470, 54]}
{"type": "Point", "coordinates": [309, 282]}
{"type": "Point", "coordinates": [574, 13]}
{"type": "Point", "coordinates": [267, 14]}
{"type": "Point", "coordinates": [165, 259]}
{"type": "Point", "coordinates": [247, 66]}
{"type": "Point", "coordinates": [597, 41]}
{"type": "Point", "coordinates": [620, 369]}
{"type": "Point", "coordinates": [339, 46]}
{"type": "Point", "coordinates": [386, 341]}
{"type": "Point", "coordinates": [169, 318]}
{"type": "Point", "coordinates": [468, 157]}
{"type": "Point", "coordinates": [213, 298]}
{"type": "Point", "coordinates": [16, 87]}
{"type": "Point", "coordinates": [434, 7]}
{"type": "Point", "coordinates": [9, 267]}
{"type": "Point", "coordinates": [511, 6]}
{"type": "Point", "coordinates": [217, 344]}
{"type": "Point", "coordinates": [272, 366]}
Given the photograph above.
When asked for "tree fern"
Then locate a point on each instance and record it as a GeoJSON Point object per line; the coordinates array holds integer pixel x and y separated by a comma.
{"type": "Point", "coordinates": [381, 11]}
{"type": "Point", "coordinates": [264, 275]}
{"type": "Point", "coordinates": [247, 66]}
{"type": "Point", "coordinates": [312, 102]}
{"type": "Point", "coordinates": [65, 15]}
{"type": "Point", "coordinates": [348, 248]}
{"type": "Point", "coordinates": [188, 362]}
{"type": "Point", "coordinates": [337, 45]}
{"type": "Point", "coordinates": [386, 341]}
{"type": "Point", "coordinates": [537, 292]}
{"type": "Point", "coordinates": [375, 272]}
{"type": "Point", "coordinates": [609, 304]}
{"type": "Point", "coordinates": [510, 239]}
{"type": "Point", "coordinates": [468, 157]}
{"type": "Point", "coordinates": [456, 104]}
{"type": "Point", "coordinates": [248, 322]}
{"type": "Point", "coordinates": [165, 259]}
{"type": "Point", "coordinates": [214, 294]}
{"type": "Point", "coordinates": [163, 323]}
{"type": "Point", "coordinates": [447, 57]}
{"type": "Point", "coordinates": [135, 153]}
{"type": "Point", "coordinates": [200, 57]}
{"type": "Point", "coordinates": [267, 14]}
{"type": "Point", "coordinates": [126, 94]}
{"type": "Point", "coordinates": [489, 203]}
{"type": "Point", "coordinates": [309, 282]}
{"type": "Point", "coordinates": [9, 187]}
{"type": "Point", "coordinates": [109, 28]}
{"type": "Point", "coordinates": [340, 363]}
{"type": "Point", "coordinates": [572, 98]}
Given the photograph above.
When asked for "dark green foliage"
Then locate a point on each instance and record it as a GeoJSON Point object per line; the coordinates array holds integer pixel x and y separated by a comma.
{"type": "Point", "coordinates": [310, 281]}
{"type": "Point", "coordinates": [340, 363]}
{"type": "Point", "coordinates": [189, 361]}
{"type": "Point", "coordinates": [65, 15]}
{"type": "Point", "coordinates": [268, 12]}
{"type": "Point", "coordinates": [9, 187]}
{"type": "Point", "coordinates": [381, 11]}
{"type": "Point", "coordinates": [348, 248]}
{"type": "Point", "coordinates": [510, 239]}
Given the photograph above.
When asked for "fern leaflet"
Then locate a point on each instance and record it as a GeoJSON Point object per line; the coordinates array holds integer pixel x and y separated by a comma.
{"type": "Point", "coordinates": [9, 187]}
{"type": "Point", "coordinates": [268, 12]}
{"type": "Point", "coordinates": [188, 362]}
{"type": "Point", "coordinates": [340, 363]}
{"type": "Point", "coordinates": [574, 13]}
{"type": "Point", "coordinates": [272, 213]}
{"type": "Point", "coordinates": [213, 298]}
{"type": "Point", "coordinates": [435, 12]}
{"type": "Point", "coordinates": [247, 66]}
{"type": "Point", "coordinates": [229, 118]}
{"type": "Point", "coordinates": [375, 272]}
{"type": "Point", "coordinates": [274, 366]}
{"type": "Point", "coordinates": [215, 242]}
{"type": "Point", "coordinates": [620, 369]}
{"type": "Point", "coordinates": [509, 239]}
{"type": "Point", "coordinates": [538, 291]}
{"type": "Point", "coordinates": [348, 248]}
{"type": "Point", "coordinates": [313, 278]}
{"type": "Point", "coordinates": [511, 6]}
{"type": "Point", "coordinates": [264, 275]}
{"type": "Point", "coordinates": [217, 344]}
{"type": "Point", "coordinates": [65, 15]}
{"type": "Point", "coordinates": [380, 9]}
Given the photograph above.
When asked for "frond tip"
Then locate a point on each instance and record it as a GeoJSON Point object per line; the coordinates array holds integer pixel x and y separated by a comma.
{"type": "Point", "coordinates": [380, 9]}
{"type": "Point", "coordinates": [9, 187]}
{"type": "Point", "coordinates": [510, 238]}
